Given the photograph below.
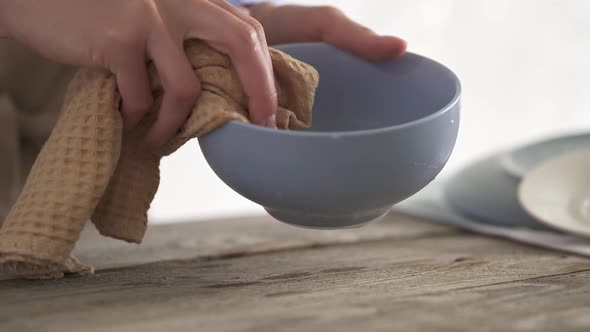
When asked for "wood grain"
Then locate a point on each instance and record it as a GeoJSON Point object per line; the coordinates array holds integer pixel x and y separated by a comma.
{"type": "Point", "coordinates": [239, 237]}
{"type": "Point", "coordinates": [412, 280]}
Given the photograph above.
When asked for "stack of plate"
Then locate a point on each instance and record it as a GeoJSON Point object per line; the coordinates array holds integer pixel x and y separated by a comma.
{"type": "Point", "coordinates": [541, 186]}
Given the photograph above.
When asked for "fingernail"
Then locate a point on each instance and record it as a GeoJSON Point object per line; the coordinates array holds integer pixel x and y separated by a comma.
{"type": "Point", "coordinates": [403, 46]}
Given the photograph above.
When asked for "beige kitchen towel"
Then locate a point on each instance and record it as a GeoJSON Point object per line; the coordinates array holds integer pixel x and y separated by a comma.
{"type": "Point", "coordinates": [90, 168]}
{"type": "Point", "coordinates": [31, 94]}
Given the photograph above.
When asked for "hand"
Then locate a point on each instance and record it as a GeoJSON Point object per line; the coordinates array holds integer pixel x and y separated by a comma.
{"type": "Point", "coordinates": [123, 36]}
{"type": "Point", "coordinates": [295, 24]}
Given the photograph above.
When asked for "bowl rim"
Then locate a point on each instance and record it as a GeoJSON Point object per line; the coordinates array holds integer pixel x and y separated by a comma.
{"type": "Point", "coordinates": [446, 108]}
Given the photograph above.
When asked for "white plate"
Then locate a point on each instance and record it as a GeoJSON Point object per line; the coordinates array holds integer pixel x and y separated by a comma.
{"type": "Point", "coordinates": [557, 192]}
{"type": "Point", "coordinates": [522, 160]}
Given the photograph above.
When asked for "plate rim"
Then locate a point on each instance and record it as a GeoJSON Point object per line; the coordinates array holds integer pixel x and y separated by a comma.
{"type": "Point", "coordinates": [523, 194]}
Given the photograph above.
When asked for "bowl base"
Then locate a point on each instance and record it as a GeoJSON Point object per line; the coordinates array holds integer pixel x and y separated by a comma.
{"type": "Point", "coordinates": [321, 221]}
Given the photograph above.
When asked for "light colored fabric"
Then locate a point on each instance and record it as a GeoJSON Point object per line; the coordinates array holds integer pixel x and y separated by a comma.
{"type": "Point", "coordinates": [90, 169]}
{"type": "Point", "coordinates": [31, 92]}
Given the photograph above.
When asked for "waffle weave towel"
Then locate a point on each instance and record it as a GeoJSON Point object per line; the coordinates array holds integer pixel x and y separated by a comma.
{"type": "Point", "coordinates": [90, 169]}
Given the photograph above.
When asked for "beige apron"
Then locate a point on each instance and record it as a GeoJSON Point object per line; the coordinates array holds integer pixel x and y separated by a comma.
{"type": "Point", "coordinates": [31, 93]}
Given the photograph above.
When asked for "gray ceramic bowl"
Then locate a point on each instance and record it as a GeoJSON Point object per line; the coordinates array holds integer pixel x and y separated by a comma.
{"type": "Point", "coordinates": [380, 133]}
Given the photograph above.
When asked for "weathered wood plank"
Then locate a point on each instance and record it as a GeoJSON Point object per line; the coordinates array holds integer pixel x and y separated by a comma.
{"type": "Point", "coordinates": [220, 238]}
{"type": "Point", "coordinates": [448, 282]}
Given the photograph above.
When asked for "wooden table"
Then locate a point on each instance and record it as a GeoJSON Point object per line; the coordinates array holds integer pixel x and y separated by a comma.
{"type": "Point", "coordinates": [256, 274]}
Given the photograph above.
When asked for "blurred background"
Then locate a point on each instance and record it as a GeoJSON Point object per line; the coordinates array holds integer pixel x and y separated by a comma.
{"type": "Point", "coordinates": [523, 66]}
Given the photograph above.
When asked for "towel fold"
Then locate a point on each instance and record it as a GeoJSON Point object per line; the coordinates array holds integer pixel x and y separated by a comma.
{"type": "Point", "coordinates": [90, 169]}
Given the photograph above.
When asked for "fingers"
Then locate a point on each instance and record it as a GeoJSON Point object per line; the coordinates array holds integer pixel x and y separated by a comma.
{"type": "Point", "coordinates": [326, 24]}
{"type": "Point", "coordinates": [134, 87]}
{"type": "Point", "coordinates": [244, 41]}
{"type": "Point", "coordinates": [337, 29]}
{"type": "Point", "coordinates": [244, 14]}
{"type": "Point", "coordinates": [181, 87]}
